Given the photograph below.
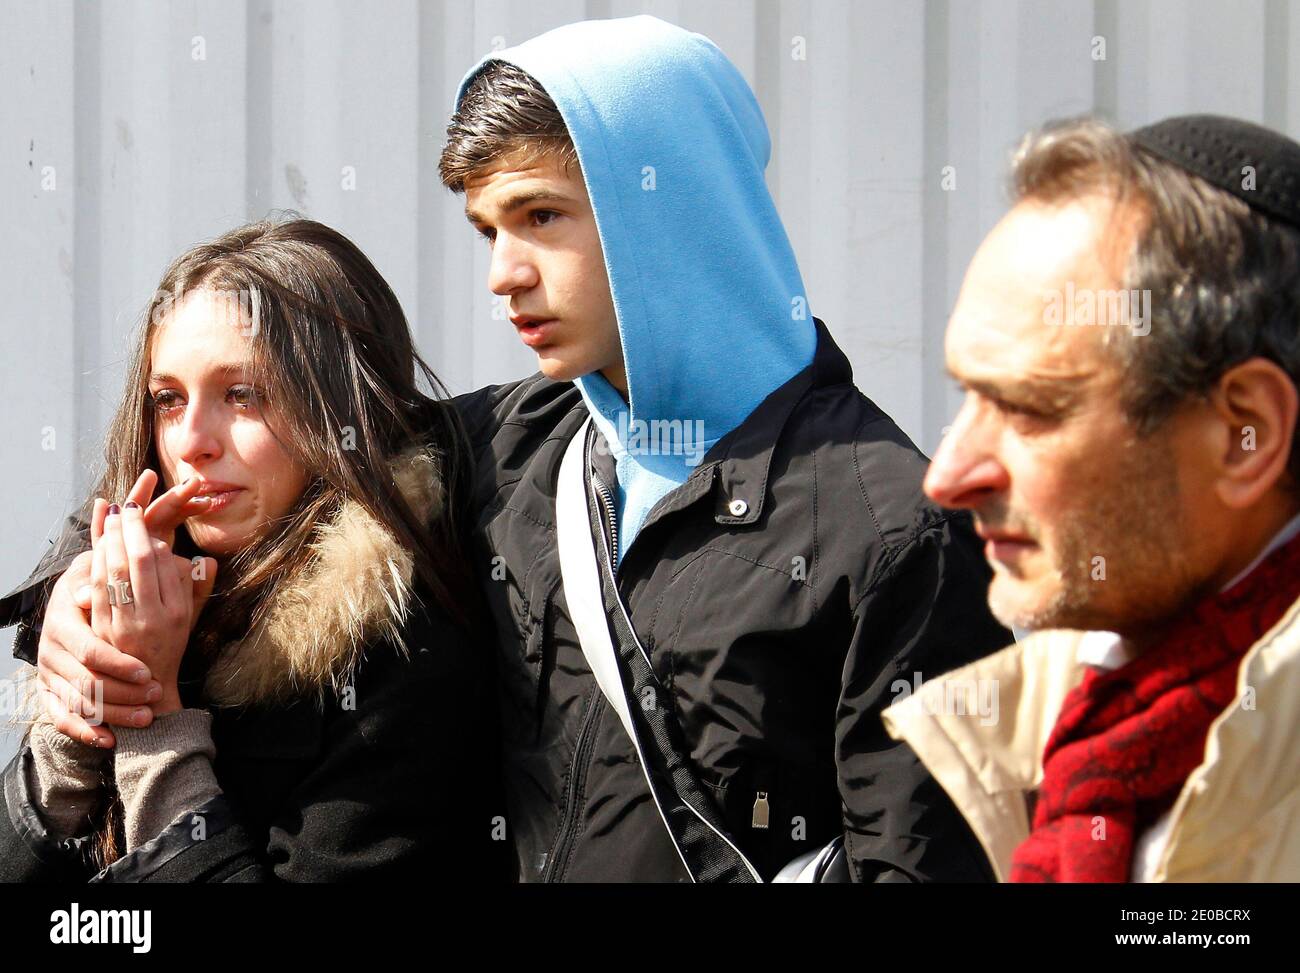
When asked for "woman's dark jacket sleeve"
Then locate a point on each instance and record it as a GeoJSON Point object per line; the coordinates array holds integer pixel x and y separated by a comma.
{"type": "Point", "coordinates": [397, 782]}
{"type": "Point", "coordinates": [25, 605]}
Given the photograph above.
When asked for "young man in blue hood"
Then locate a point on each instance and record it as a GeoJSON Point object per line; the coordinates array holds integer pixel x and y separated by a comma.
{"type": "Point", "coordinates": [784, 573]}
{"type": "Point", "coordinates": [779, 563]}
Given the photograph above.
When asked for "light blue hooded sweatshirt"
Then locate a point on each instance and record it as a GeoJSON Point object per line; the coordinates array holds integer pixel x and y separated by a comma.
{"type": "Point", "coordinates": [711, 309]}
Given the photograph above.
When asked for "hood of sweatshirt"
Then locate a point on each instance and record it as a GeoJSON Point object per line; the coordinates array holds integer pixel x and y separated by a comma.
{"type": "Point", "coordinates": [711, 307]}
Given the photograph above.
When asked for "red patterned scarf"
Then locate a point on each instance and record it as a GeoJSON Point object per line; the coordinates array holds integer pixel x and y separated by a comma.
{"type": "Point", "coordinates": [1126, 740]}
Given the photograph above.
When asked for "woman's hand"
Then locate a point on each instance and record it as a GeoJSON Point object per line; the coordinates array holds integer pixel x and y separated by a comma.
{"type": "Point", "coordinates": [83, 682]}
{"type": "Point", "coordinates": [161, 517]}
{"type": "Point", "coordinates": [86, 684]}
{"type": "Point", "coordinates": [171, 509]}
{"type": "Point", "coordinates": [152, 618]}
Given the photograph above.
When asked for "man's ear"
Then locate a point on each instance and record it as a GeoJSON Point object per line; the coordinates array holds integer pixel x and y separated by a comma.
{"type": "Point", "coordinates": [1257, 402]}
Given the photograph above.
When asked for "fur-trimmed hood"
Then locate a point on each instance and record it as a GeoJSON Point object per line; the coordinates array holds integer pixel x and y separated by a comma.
{"type": "Point", "coordinates": [355, 588]}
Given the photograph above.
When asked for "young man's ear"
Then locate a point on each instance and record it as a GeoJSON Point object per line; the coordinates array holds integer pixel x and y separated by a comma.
{"type": "Point", "coordinates": [1256, 402]}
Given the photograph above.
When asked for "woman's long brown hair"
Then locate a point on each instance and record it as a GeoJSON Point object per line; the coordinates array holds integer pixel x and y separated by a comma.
{"type": "Point", "coordinates": [332, 351]}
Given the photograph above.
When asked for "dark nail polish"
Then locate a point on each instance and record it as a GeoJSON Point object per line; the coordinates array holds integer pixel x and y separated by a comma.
{"type": "Point", "coordinates": [132, 505]}
{"type": "Point", "coordinates": [114, 510]}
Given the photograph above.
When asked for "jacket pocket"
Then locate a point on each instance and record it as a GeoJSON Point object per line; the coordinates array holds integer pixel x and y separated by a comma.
{"type": "Point", "coordinates": [734, 642]}
{"type": "Point", "coordinates": [775, 814]}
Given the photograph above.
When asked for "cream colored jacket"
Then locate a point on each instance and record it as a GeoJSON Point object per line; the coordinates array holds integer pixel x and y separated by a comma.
{"type": "Point", "coordinates": [1237, 818]}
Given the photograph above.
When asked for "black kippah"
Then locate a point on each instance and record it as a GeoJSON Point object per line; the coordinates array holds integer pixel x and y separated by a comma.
{"type": "Point", "coordinates": [1218, 148]}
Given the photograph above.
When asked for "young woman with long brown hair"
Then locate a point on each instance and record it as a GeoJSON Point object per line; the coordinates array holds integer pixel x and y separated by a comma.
{"type": "Point", "coordinates": [293, 611]}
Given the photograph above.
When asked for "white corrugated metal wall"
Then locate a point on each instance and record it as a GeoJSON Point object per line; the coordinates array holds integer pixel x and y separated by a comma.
{"type": "Point", "coordinates": [132, 129]}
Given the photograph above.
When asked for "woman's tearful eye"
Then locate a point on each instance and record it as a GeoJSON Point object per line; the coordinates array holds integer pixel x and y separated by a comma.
{"type": "Point", "coordinates": [166, 402]}
{"type": "Point", "coordinates": [169, 403]}
{"type": "Point", "coordinates": [244, 396]}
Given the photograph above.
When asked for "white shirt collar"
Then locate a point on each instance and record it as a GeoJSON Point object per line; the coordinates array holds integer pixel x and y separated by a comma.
{"type": "Point", "coordinates": [1103, 650]}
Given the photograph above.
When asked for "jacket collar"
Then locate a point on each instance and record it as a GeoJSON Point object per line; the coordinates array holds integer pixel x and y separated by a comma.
{"type": "Point", "coordinates": [740, 461]}
{"type": "Point", "coordinates": [355, 587]}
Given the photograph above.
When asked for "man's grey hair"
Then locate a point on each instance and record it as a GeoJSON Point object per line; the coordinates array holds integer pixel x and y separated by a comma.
{"type": "Point", "coordinates": [1224, 278]}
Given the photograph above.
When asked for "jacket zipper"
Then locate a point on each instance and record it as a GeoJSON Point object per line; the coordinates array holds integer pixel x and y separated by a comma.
{"type": "Point", "coordinates": [577, 780]}
{"type": "Point", "coordinates": [610, 521]}
{"type": "Point", "coordinates": [586, 736]}
{"type": "Point", "coordinates": [761, 808]}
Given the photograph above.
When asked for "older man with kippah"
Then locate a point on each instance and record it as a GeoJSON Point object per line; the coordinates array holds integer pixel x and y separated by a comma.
{"type": "Point", "coordinates": [1128, 338]}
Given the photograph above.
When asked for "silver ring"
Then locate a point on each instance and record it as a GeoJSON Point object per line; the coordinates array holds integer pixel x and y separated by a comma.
{"type": "Point", "coordinates": [119, 593]}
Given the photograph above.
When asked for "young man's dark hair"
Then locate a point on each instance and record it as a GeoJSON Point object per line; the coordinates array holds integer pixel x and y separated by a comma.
{"type": "Point", "coordinates": [504, 112]}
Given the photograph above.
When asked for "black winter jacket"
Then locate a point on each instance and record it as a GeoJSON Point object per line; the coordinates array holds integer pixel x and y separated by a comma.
{"type": "Point", "coordinates": [782, 626]}
{"type": "Point", "coordinates": [397, 778]}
